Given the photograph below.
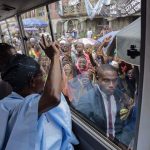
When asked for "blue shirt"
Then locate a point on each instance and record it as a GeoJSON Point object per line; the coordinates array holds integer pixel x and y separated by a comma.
{"type": "Point", "coordinates": [22, 129]}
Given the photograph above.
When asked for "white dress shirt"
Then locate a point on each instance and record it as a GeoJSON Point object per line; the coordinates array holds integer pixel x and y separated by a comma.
{"type": "Point", "coordinates": [113, 110]}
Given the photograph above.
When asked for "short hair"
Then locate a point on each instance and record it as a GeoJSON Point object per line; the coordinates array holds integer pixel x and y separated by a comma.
{"type": "Point", "coordinates": [78, 43]}
{"type": "Point", "coordinates": [67, 44]}
{"type": "Point", "coordinates": [104, 67]}
{"type": "Point", "coordinates": [5, 49]}
{"type": "Point", "coordinates": [20, 72]}
{"type": "Point", "coordinates": [66, 58]}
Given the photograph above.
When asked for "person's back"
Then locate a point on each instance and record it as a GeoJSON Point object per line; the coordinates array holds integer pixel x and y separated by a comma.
{"type": "Point", "coordinates": [15, 116]}
{"type": "Point", "coordinates": [20, 111]}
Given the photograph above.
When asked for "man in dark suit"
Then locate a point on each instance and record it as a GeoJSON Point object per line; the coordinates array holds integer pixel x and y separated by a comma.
{"type": "Point", "coordinates": [103, 103]}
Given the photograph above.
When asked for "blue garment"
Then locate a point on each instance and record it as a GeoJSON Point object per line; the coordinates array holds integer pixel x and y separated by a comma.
{"type": "Point", "coordinates": [22, 129]}
{"type": "Point", "coordinates": [18, 122]}
{"type": "Point", "coordinates": [55, 129]}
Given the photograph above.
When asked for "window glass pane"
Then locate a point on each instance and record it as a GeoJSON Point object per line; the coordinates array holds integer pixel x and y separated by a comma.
{"type": "Point", "coordinates": [14, 33]}
{"type": "Point", "coordinates": [1, 33]}
{"type": "Point", "coordinates": [0, 40]}
{"type": "Point", "coordinates": [5, 32]}
{"type": "Point", "coordinates": [100, 45]}
{"type": "Point", "coordinates": [35, 25]}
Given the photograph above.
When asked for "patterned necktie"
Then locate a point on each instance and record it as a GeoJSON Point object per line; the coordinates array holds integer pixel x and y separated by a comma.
{"type": "Point", "coordinates": [110, 125]}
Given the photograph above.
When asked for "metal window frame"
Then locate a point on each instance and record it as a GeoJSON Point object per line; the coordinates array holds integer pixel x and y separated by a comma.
{"type": "Point", "coordinates": [143, 122]}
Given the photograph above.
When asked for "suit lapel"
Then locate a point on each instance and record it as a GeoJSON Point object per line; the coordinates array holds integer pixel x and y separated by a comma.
{"type": "Point", "coordinates": [101, 110]}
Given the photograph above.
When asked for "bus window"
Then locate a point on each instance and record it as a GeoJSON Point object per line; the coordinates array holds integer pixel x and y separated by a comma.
{"type": "Point", "coordinates": [13, 31]}
{"type": "Point", "coordinates": [99, 79]}
{"type": "Point", "coordinates": [35, 26]}
{"type": "Point", "coordinates": [5, 32]}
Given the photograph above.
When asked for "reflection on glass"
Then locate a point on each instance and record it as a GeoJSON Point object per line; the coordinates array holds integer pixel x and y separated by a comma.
{"type": "Point", "coordinates": [5, 32]}
{"type": "Point", "coordinates": [100, 80]}
{"type": "Point", "coordinates": [12, 34]}
{"type": "Point", "coordinates": [35, 24]}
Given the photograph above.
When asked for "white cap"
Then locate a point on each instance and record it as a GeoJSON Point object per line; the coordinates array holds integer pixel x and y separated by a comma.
{"type": "Point", "coordinates": [115, 64]}
{"type": "Point", "coordinates": [62, 42]}
{"type": "Point", "coordinates": [32, 40]}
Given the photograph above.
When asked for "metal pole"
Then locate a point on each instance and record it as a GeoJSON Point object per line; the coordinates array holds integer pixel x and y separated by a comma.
{"type": "Point", "coordinates": [22, 32]}
{"type": "Point", "coordinates": [1, 34]}
{"type": "Point", "coordinates": [50, 22]}
{"type": "Point", "coordinates": [9, 31]}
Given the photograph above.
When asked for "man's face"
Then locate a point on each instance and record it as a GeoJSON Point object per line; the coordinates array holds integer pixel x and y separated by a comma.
{"type": "Point", "coordinates": [108, 82]}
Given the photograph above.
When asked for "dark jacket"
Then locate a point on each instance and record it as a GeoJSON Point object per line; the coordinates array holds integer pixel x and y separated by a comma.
{"type": "Point", "coordinates": [92, 106]}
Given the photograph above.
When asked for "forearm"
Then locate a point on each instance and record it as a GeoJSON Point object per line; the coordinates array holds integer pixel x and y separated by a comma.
{"type": "Point", "coordinates": [100, 49]}
{"type": "Point", "coordinates": [52, 89]}
{"type": "Point", "coordinates": [53, 83]}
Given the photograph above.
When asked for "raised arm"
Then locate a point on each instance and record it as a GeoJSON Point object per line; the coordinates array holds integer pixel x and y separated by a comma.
{"type": "Point", "coordinates": [104, 44]}
{"type": "Point", "coordinates": [52, 90]}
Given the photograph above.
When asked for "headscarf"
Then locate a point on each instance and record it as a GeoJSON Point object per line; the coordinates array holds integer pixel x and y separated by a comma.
{"type": "Point", "coordinates": [21, 70]}
{"type": "Point", "coordinates": [86, 66]}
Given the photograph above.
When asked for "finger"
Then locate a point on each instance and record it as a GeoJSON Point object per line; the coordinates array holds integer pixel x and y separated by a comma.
{"type": "Point", "coordinates": [57, 45]}
{"type": "Point", "coordinates": [54, 46]}
{"type": "Point", "coordinates": [41, 45]}
{"type": "Point", "coordinates": [43, 40]}
{"type": "Point", "coordinates": [56, 49]}
{"type": "Point", "coordinates": [48, 43]}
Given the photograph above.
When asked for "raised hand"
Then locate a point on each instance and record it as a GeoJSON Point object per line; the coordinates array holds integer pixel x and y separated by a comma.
{"type": "Point", "coordinates": [107, 40]}
{"type": "Point", "coordinates": [52, 90]}
{"type": "Point", "coordinates": [51, 49]}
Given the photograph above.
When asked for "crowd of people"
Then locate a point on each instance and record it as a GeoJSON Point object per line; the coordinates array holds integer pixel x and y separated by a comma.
{"type": "Point", "coordinates": [101, 87]}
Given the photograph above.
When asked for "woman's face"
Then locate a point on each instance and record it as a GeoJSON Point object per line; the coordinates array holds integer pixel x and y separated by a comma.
{"type": "Point", "coordinates": [82, 63]}
{"type": "Point", "coordinates": [130, 74]}
{"type": "Point", "coordinates": [79, 48]}
{"type": "Point", "coordinates": [67, 69]}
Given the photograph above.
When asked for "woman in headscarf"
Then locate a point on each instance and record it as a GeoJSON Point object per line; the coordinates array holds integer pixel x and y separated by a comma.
{"type": "Point", "coordinates": [82, 64]}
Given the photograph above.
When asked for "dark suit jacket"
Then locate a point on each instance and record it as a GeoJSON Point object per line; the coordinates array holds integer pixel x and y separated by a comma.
{"type": "Point", "coordinates": [92, 106]}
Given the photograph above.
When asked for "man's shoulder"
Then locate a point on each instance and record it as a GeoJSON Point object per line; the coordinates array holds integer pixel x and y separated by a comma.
{"type": "Point", "coordinates": [94, 93]}
{"type": "Point", "coordinates": [9, 102]}
{"type": "Point", "coordinates": [119, 95]}
{"type": "Point", "coordinates": [14, 100]}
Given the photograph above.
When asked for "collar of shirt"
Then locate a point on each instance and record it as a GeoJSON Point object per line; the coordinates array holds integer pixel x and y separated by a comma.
{"type": "Point", "coordinates": [102, 93]}
{"type": "Point", "coordinates": [113, 109]}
